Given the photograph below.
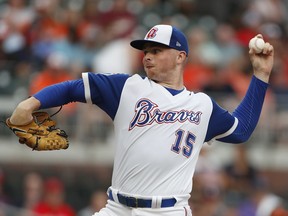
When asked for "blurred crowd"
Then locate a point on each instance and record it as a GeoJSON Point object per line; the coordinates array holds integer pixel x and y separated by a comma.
{"type": "Point", "coordinates": [235, 189]}
{"type": "Point", "coordinates": [47, 196]}
{"type": "Point", "coordinates": [43, 42]}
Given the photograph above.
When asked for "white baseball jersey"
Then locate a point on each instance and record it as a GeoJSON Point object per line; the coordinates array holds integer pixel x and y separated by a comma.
{"type": "Point", "coordinates": [158, 137]}
{"type": "Point", "coordinates": [159, 132]}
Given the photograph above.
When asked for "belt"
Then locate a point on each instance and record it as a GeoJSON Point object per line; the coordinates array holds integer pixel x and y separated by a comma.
{"type": "Point", "coordinates": [135, 202]}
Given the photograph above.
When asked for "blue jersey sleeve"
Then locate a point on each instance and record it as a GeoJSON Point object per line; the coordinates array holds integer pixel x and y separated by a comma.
{"type": "Point", "coordinates": [247, 113]}
{"type": "Point", "coordinates": [220, 122]}
{"type": "Point", "coordinates": [105, 92]}
{"type": "Point", "coordinates": [61, 94]}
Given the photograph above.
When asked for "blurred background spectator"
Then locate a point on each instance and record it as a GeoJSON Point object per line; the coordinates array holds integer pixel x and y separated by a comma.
{"type": "Point", "coordinates": [32, 193]}
{"type": "Point", "coordinates": [53, 200]}
{"type": "Point", "coordinates": [45, 42]}
{"type": "Point", "coordinates": [98, 201]}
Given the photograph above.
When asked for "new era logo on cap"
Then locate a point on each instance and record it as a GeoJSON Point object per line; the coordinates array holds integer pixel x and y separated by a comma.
{"type": "Point", "coordinates": [164, 34]}
{"type": "Point", "coordinates": [178, 44]}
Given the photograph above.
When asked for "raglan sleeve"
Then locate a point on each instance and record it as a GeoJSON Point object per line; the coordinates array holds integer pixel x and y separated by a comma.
{"type": "Point", "coordinates": [104, 90]}
{"type": "Point", "coordinates": [99, 89]}
{"type": "Point", "coordinates": [238, 126]}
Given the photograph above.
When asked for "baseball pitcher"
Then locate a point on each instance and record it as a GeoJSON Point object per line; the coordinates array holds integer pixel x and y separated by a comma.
{"type": "Point", "coordinates": [160, 126]}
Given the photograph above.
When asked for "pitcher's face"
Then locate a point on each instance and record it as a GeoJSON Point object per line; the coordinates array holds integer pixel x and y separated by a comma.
{"type": "Point", "coordinates": [159, 60]}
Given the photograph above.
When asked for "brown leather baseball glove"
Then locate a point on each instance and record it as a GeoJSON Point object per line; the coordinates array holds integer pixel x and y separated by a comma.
{"type": "Point", "coordinates": [40, 134]}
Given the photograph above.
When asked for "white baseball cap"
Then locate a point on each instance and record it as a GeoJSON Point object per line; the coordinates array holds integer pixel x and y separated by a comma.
{"type": "Point", "coordinates": [164, 34]}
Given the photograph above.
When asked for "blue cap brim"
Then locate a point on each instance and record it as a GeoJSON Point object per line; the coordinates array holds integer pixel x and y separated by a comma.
{"type": "Point", "coordinates": [139, 44]}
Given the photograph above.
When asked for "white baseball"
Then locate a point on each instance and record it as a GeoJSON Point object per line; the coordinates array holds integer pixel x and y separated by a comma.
{"type": "Point", "coordinates": [257, 44]}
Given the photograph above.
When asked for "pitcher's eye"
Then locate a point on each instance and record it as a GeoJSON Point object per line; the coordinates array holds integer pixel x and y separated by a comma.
{"type": "Point", "coordinates": [152, 51]}
{"type": "Point", "coordinates": [155, 51]}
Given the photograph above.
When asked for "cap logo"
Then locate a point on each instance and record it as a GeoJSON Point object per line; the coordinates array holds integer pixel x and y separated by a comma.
{"type": "Point", "coordinates": [178, 44]}
{"type": "Point", "coordinates": [152, 33]}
